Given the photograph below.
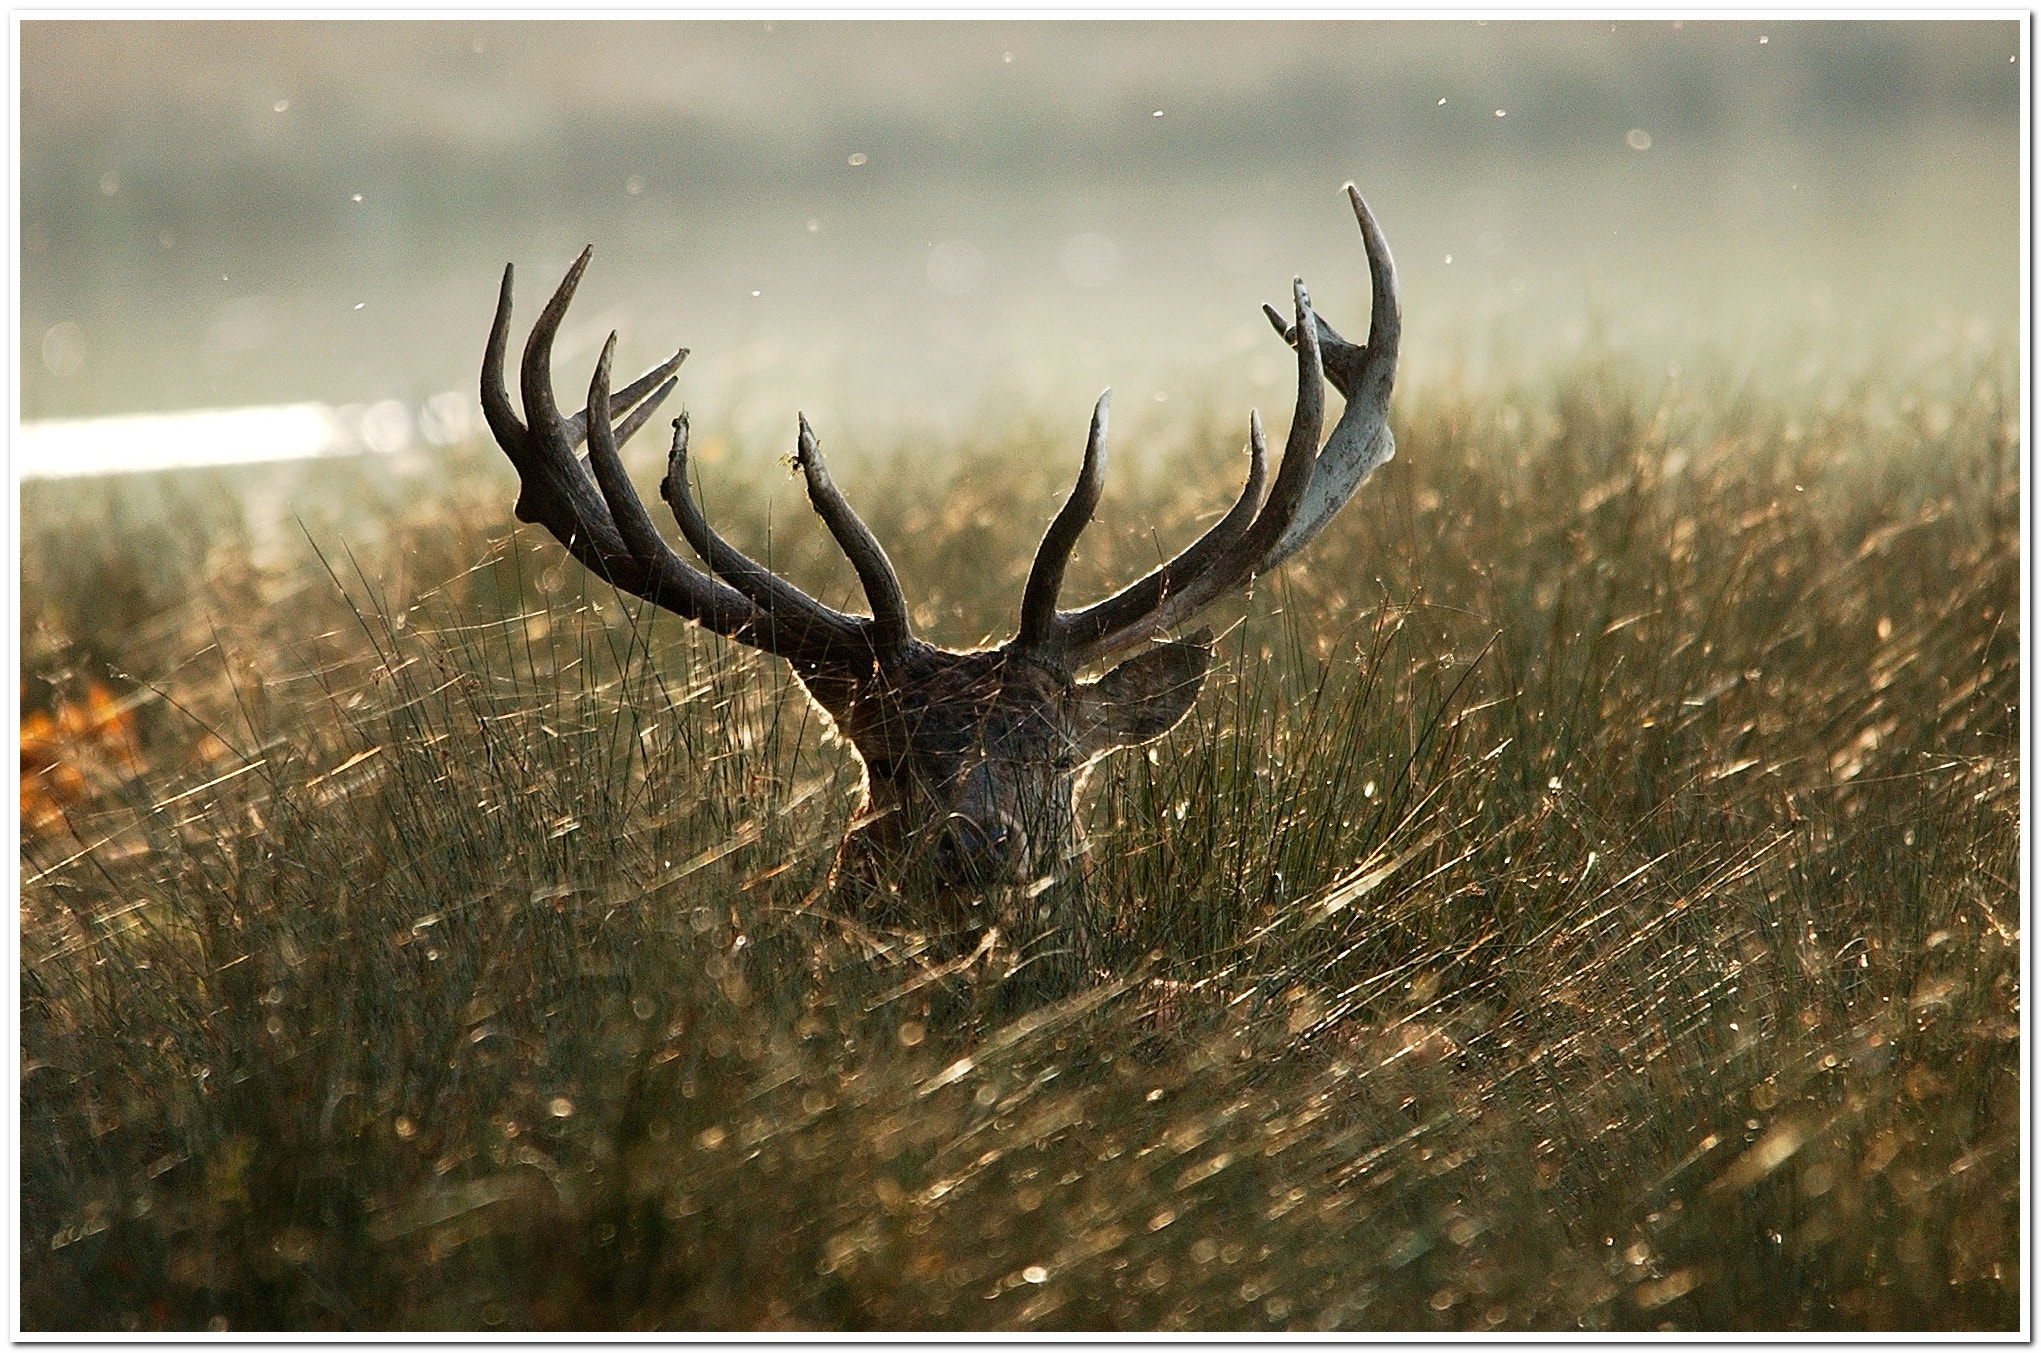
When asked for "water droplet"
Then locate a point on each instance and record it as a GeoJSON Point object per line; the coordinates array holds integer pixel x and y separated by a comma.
{"type": "Point", "coordinates": [1449, 258]}
{"type": "Point", "coordinates": [64, 349]}
{"type": "Point", "coordinates": [1502, 112]}
{"type": "Point", "coordinates": [1007, 57]}
{"type": "Point", "coordinates": [1158, 112]}
{"type": "Point", "coordinates": [1638, 139]}
{"type": "Point", "coordinates": [560, 1107]}
{"type": "Point", "coordinates": [635, 184]}
{"type": "Point", "coordinates": [755, 293]}
{"type": "Point", "coordinates": [1035, 1273]}
{"type": "Point", "coordinates": [1441, 103]}
{"type": "Point", "coordinates": [280, 106]}
{"type": "Point", "coordinates": [357, 305]}
{"type": "Point", "coordinates": [813, 225]}
{"type": "Point", "coordinates": [859, 158]}
{"type": "Point", "coordinates": [357, 197]}
{"type": "Point", "coordinates": [386, 428]}
{"type": "Point", "coordinates": [1763, 41]}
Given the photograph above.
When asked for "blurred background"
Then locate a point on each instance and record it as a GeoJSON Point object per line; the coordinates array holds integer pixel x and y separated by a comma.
{"type": "Point", "coordinates": [904, 227]}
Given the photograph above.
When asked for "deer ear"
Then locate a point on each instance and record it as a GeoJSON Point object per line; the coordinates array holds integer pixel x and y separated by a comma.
{"type": "Point", "coordinates": [1145, 696]}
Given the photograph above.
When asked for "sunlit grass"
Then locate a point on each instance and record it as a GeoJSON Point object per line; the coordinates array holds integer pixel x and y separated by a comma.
{"type": "Point", "coordinates": [1584, 897]}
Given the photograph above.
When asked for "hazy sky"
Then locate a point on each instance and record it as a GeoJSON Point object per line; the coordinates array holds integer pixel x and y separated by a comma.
{"type": "Point", "coordinates": [891, 224]}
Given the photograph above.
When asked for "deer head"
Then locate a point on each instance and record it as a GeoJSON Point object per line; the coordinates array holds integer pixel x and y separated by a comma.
{"type": "Point", "coordinates": [972, 759]}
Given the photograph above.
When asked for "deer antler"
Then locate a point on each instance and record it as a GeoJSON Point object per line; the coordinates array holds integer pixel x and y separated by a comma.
{"type": "Point", "coordinates": [601, 520]}
{"type": "Point", "coordinates": [1310, 486]}
{"type": "Point", "coordinates": [604, 524]}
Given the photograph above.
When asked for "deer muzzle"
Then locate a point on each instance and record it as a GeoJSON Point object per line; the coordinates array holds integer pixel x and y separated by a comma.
{"type": "Point", "coordinates": [977, 850]}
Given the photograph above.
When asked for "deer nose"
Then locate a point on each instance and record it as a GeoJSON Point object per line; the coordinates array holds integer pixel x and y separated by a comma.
{"type": "Point", "coordinates": [976, 850]}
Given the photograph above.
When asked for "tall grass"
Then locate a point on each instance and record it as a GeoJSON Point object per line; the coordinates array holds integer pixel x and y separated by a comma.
{"type": "Point", "coordinates": [1583, 897]}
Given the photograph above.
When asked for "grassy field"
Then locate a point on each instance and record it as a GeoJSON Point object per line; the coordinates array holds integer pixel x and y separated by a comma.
{"type": "Point", "coordinates": [1584, 897]}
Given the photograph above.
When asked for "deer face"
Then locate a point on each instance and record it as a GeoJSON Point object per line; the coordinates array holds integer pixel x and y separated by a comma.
{"type": "Point", "coordinates": [973, 760]}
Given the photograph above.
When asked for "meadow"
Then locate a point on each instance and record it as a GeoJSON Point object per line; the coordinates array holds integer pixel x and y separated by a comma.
{"type": "Point", "coordinates": [1585, 897]}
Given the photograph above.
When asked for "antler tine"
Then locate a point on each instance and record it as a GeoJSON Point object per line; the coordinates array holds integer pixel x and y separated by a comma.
{"type": "Point", "coordinates": [890, 630]}
{"type": "Point", "coordinates": [508, 428]}
{"type": "Point", "coordinates": [786, 606]}
{"type": "Point", "coordinates": [633, 522]}
{"type": "Point", "coordinates": [535, 373]}
{"type": "Point", "coordinates": [626, 402]}
{"type": "Point", "coordinates": [641, 415]}
{"type": "Point", "coordinates": [1120, 615]}
{"type": "Point", "coordinates": [1300, 455]}
{"type": "Point", "coordinates": [1363, 374]}
{"type": "Point", "coordinates": [1038, 624]}
{"type": "Point", "coordinates": [1191, 585]}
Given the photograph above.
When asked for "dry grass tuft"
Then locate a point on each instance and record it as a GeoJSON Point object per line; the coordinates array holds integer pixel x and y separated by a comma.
{"type": "Point", "coordinates": [1584, 898]}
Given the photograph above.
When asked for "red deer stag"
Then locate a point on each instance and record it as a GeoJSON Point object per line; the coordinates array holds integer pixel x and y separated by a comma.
{"type": "Point", "coordinates": [972, 760]}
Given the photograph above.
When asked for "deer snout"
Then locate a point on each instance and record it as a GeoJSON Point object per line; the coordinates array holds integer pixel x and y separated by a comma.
{"type": "Point", "coordinates": [978, 850]}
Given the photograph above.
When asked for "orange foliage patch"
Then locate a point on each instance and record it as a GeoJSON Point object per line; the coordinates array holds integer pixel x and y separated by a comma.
{"type": "Point", "coordinates": [71, 751]}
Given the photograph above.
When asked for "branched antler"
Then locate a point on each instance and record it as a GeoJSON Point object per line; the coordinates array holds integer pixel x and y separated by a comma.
{"type": "Point", "coordinates": [1310, 486]}
{"type": "Point", "coordinates": [592, 509]}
